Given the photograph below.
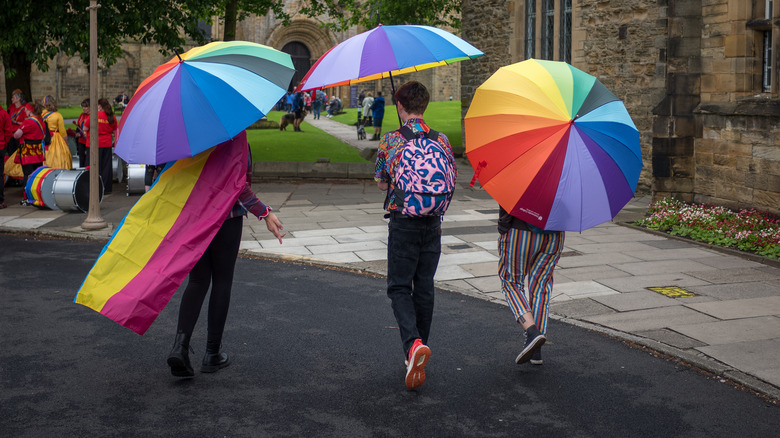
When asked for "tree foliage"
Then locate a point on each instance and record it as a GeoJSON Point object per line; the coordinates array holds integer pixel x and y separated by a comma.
{"type": "Point", "coordinates": [370, 13]}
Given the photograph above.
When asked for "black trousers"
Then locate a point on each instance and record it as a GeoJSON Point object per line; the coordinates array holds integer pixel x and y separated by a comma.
{"type": "Point", "coordinates": [413, 250]}
{"type": "Point", "coordinates": [105, 157]}
{"type": "Point", "coordinates": [215, 266]}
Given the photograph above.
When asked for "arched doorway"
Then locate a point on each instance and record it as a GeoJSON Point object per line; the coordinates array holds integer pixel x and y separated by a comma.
{"type": "Point", "coordinates": [301, 58]}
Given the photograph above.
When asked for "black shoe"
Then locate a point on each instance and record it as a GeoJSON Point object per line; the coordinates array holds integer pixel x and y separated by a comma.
{"type": "Point", "coordinates": [532, 343]}
{"type": "Point", "coordinates": [213, 360]}
{"type": "Point", "coordinates": [179, 358]}
{"type": "Point", "coordinates": [536, 359]}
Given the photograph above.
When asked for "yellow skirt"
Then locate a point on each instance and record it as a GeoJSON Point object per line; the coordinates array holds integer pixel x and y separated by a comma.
{"type": "Point", "coordinates": [58, 154]}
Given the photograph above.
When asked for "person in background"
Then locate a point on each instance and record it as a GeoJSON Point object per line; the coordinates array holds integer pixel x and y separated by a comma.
{"type": "Point", "coordinates": [82, 133]}
{"type": "Point", "coordinates": [378, 113]}
{"type": "Point", "coordinates": [30, 135]}
{"type": "Point", "coordinates": [106, 127]}
{"type": "Point", "coordinates": [307, 102]}
{"type": "Point", "coordinates": [57, 152]}
{"type": "Point", "coordinates": [5, 135]}
{"type": "Point", "coordinates": [18, 112]}
{"type": "Point", "coordinates": [297, 110]}
{"type": "Point", "coordinates": [316, 104]}
{"type": "Point", "coordinates": [121, 99]}
{"type": "Point", "coordinates": [215, 268]}
{"type": "Point", "coordinates": [367, 102]}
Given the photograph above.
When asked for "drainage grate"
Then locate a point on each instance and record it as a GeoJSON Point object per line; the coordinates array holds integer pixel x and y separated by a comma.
{"type": "Point", "coordinates": [673, 291]}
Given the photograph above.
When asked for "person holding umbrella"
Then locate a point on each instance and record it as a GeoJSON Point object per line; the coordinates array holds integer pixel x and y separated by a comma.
{"type": "Point", "coordinates": [414, 242]}
{"type": "Point", "coordinates": [527, 251]}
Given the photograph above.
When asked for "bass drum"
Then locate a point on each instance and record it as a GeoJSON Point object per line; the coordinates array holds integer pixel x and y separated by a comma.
{"type": "Point", "coordinates": [118, 168]}
{"type": "Point", "coordinates": [136, 175]}
{"type": "Point", "coordinates": [71, 190]}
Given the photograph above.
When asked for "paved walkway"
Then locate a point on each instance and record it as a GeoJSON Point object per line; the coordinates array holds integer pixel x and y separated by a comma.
{"type": "Point", "coordinates": [611, 278]}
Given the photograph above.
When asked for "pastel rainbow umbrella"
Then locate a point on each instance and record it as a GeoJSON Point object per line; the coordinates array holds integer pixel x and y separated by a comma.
{"type": "Point", "coordinates": [201, 98]}
{"type": "Point", "coordinates": [553, 145]}
{"type": "Point", "coordinates": [385, 51]}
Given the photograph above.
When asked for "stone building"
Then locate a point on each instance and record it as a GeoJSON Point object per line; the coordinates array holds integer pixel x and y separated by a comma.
{"type": "Point", "coordinates": [699, 78]}
{"type": "Point", "coordinates": [304, 39]}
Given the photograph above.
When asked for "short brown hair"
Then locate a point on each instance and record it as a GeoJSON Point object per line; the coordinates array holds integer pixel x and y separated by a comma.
{"type": "Point", "coordinates": [413, 96]}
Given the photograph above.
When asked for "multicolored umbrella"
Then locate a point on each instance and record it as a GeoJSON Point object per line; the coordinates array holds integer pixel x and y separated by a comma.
{"type": "Point", "coordinates": [385, 51]}
{"type": "Point", "coordinates": [553, 145]}
{"type": "Point", "coordinates": [201, 98]}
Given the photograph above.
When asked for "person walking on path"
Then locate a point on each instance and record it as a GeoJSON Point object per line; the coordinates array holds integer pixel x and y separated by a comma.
{"type": "Point", "coordinates": [413, 243]}
{"type": "Point", "coordinates": [378, 113]}
{"type": "Point", "coordinates": [316, 104]}
{"type": "Point", "coordinates": [367, 102]}
{"type": "Point", "coordinates": [527, 251]}
{"type": "Point", "coordinates": [215, 268]}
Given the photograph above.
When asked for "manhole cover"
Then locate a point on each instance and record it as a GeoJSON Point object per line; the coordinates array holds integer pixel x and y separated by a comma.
{"type": "Point", "coordinates": [673, 291]}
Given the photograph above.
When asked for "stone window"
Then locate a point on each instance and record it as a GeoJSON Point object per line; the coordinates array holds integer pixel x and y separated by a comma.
{"type": "Point", "coordinates": [530, 29]}
{"type": "Point", "coordinates": [765, 33]}
{"type": "Point", "coordinates": [553, 18]}
{"type": "Point", "coordinates": [548, 29]}
{"type": "Point", "coordinates": [565, 39]}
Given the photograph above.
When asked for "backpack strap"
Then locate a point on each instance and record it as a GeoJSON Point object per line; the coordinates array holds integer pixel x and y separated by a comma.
{"type": "Point", "coordinates": [410, 135]}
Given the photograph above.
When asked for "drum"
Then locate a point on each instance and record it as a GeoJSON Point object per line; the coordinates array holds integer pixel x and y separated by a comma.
{"type": "Point", "coordinates": [39, 187]}
{"type": "Point", "coordinates": [71, 190]}
{"type": "Point", "coordinates": [136, 174]}
{"type": "Point", "coordinates": [119, 168]}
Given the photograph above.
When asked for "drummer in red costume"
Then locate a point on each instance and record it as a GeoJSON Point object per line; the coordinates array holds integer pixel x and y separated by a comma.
{"type": "Point", "coordinates": [17, 111]}
{"type": "Point", "coordinates": [30, 136]}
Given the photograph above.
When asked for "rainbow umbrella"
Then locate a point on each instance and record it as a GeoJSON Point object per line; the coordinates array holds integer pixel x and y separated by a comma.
{"type": "Point", "coordinates": [201, 98]}
{"type": "Point", "coordinates": [552, 145]}
{"type": "Point", "coordinates": [385, 51]}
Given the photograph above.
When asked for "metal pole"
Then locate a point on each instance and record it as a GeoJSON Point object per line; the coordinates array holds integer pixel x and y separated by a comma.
{"type": "Point", "coordinates": [93, 221]}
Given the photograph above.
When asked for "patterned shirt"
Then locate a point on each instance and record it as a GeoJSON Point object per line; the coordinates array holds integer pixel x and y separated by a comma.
{"type": "Point", "coordinates": [388, 154]}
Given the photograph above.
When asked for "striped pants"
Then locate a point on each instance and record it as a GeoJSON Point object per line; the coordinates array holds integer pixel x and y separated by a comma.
{"type": "Point", "coordinates": [533, 255]}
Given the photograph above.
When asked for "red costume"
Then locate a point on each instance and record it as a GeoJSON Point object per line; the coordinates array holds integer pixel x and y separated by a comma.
{"type": "Point", "coordinates": [105, 131]}
{"type": "Point", "coordinates": [31, 151]}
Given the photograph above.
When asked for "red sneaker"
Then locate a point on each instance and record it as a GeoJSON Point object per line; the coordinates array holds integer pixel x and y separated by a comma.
{"type": "Point", "coordinates": [415, 369]}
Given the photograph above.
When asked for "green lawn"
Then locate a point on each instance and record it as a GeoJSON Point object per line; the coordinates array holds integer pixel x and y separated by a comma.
{"type": "Point", "coordinates": [309, 145]}
{"type": "Point", "coordinates": [441, 116]}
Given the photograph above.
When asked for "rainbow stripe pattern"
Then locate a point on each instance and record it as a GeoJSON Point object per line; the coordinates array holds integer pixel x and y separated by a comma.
{"type": "Point", "coordinates": [164, 234]}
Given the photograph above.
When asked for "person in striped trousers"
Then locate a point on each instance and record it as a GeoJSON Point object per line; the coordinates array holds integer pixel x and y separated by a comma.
{"type": "Point", "coordinates": [527, 251]}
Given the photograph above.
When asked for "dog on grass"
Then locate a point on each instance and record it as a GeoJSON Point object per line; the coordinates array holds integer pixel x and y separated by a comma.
{"type": "Point", "coordinates": [289, 119]}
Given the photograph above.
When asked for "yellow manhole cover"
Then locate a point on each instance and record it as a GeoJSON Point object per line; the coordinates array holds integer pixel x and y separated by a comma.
{"type": "Point", "coordinates": [672, 291]}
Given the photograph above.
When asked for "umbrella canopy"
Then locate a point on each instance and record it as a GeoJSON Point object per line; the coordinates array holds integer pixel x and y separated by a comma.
{"type": "Point", "coordinates": [201, 98]}
{"type": "Point", "coordinates": [553, 145]}
{"type": "Point", "coordinates": [385, 51]}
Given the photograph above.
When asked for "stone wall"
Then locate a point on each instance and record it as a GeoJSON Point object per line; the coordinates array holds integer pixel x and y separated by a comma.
{"type": "Point", "coordinates": [622, 43]}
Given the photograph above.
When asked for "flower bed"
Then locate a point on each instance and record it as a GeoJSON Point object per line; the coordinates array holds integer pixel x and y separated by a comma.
{"type": "Point", "coordinates": [747, 230]}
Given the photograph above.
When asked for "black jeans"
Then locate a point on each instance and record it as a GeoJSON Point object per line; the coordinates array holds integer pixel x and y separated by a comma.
{"type": "Point", "coordinates": [413, 250]}
{"type": "Point", "coordinates": [217, 264]}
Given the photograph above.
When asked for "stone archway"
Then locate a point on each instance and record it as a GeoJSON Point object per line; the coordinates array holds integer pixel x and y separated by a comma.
{"type": "Point", "coordinates": [317, 40]}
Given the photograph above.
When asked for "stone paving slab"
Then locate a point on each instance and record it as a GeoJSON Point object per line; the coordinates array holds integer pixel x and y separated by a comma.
{"type": "Point", "coordinates": [672, 338]}
{"type": "Point", "coordinates": [744, 290]}
{"type": "Point", "coordinates": [662, 267]}
{"type": "Point", "coordinates": [758, 358]}
{"type": "Point", "coordinates": [650, 319]}
{"type": "Point", "coordinates": [731, 331]}
{"type": "Point", "coordinates": [642, 282]}
{"type": "Point", "coordinates": [596, 272]}
{"type": "Point", "coordinates": [581, 289]}
{"type": "Point", "coordinates": [733, 309]}
{"type": "Point", "coordinates": [594, 259]}
{"type": "Point", "coordinates": [636, 301]}
{"type": "Point", "coordinates": [737, 275]}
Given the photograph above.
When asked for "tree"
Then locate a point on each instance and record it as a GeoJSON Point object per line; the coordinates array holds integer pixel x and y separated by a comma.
{"type": "Point", "coordinates": [370, 13]}
{"type": "Point", "coordinates": [35, 32]}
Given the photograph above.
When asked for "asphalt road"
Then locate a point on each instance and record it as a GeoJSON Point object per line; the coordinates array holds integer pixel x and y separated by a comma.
{"type": "Point", "coordinates": [315, 353]}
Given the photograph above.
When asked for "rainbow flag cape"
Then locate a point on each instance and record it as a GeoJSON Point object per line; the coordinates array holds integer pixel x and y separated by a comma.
{"type": "Point", "coordinates": [164, 234]}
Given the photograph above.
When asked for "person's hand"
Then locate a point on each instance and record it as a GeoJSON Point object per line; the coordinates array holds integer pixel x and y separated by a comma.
{"type": "Point", "coordinates": [274, 226]}
{"type": "Point", "coordinates": [382, 185]}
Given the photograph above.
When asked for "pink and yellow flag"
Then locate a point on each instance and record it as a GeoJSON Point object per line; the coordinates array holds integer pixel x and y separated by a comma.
{"type": "Point", "coordinates": [164, 234]}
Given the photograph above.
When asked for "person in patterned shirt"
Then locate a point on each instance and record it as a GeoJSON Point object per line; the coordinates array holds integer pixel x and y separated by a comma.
{"type": "Point", "coordinates": [413, 243]}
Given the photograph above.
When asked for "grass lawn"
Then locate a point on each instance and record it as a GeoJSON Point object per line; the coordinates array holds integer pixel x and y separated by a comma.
{"type": "Point", "coordinates": [441, 116]}
{"type": "Point", "coordinates": [309, 145]}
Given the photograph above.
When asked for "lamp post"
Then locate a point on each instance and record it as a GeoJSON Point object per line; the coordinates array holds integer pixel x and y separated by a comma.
{"type": "Point", "coordinates": [94, 221]}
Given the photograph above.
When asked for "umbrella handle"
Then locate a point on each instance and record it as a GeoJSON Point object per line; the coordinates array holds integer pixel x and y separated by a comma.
{"type": "Point", "coordinates": [481, 164]}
